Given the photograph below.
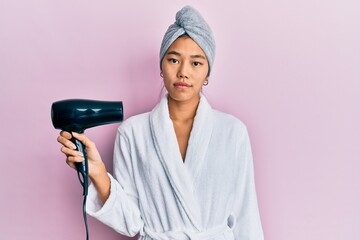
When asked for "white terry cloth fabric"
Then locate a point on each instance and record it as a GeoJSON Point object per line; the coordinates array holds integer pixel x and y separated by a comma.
{"type": "Point", "coordinates": [211, 195]}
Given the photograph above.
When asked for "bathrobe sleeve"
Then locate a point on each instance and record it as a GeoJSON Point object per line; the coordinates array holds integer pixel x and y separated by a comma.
{"type": "Point", "coordinates": [121, 210]}
{"type": "Point", "coordinates": [246, 212]}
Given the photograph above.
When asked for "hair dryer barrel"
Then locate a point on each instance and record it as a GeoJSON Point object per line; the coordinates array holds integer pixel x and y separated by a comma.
{"type": "Point", "coordinates": [79, 114]}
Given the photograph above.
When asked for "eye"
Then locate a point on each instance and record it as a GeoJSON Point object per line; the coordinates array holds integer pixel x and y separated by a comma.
{"type": "Point", "coordinates": [173, 60]}
{"type": "Point", "coordinates": [196, 64]}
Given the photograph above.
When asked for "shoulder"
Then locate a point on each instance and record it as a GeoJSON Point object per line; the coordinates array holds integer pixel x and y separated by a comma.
{"type": "Point", "coordinates": [134, 123]}
{"type": "Point", "coordinates": [229, 126]}
{"type": "Point", "coordinates": [228, 121]}
{"type": "Point", "coordinates": [220, 118]}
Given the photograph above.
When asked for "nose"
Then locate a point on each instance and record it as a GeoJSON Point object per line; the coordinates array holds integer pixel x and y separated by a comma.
{"type": "Point", "coordinates": [183, 71]}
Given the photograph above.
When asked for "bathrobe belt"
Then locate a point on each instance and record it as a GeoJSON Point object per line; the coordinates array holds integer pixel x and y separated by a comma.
{"type": "Point", "coordinates": [211, 233]}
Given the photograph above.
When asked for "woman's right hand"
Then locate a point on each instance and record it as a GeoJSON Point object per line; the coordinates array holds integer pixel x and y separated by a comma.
{"type": "Point", "coordinates": [97, 169]}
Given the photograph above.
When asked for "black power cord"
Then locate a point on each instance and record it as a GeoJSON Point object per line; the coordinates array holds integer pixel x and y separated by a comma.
{"type": "Point", "coordinates": [84, 182]}
{"type": "Point", "coordinates": [85, 218]}
{"type": "Point", "coordinates": [83, 173]}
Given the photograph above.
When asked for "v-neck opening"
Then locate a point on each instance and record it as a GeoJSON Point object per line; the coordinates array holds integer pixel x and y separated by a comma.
{"type": "Point", "coordinates": [182, 173]}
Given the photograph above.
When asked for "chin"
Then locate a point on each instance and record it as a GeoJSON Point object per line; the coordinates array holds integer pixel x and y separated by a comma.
{"type": "Point", "coordinates": [183, 97]}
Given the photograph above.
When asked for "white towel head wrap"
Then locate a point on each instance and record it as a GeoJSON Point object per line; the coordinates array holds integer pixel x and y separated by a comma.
{"type": "Point", "coordinates": [190, 22]}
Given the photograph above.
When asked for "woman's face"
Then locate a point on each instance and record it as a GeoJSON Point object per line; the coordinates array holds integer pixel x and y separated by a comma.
{"type": "Point", "coordinates": [184, 68]}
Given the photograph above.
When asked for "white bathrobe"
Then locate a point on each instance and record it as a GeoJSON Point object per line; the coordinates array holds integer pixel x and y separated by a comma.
{"type": "Point", "coordinates": [210, 195]}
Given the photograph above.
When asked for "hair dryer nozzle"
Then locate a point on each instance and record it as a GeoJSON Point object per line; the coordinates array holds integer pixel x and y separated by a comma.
{"type": "Point", "coordinates": [79, 114]}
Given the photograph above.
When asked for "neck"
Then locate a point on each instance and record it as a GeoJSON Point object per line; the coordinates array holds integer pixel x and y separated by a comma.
{"type": "Point", "coordinates": [182, 111]}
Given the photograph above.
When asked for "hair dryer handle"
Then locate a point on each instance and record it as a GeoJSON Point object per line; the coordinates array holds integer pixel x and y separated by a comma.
{"type": "Point", "coordinates": [82, 167]}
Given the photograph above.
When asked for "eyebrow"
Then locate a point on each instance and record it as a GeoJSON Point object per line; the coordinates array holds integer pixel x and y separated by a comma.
{"type": "Point", "coordinates": [192, 56]}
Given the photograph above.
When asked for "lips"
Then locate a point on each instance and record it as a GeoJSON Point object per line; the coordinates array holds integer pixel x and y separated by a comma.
{"type": "Point", "coordinates": [181, 85]}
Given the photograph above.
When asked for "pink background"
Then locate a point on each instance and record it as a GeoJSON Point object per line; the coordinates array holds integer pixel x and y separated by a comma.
{"type": "Point", "coordinates": [289, 69]}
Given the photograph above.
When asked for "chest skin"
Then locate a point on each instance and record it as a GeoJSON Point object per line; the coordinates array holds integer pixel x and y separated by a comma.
{"type": "Point", "coordinates": [182, 131]}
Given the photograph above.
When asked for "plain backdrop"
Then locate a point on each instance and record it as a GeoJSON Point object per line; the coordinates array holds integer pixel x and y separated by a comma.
{"type": "Point", "coordinates": [290, 70]}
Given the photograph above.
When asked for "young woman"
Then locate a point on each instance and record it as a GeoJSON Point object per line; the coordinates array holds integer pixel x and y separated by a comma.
{"type": "Point", "coordinates": [183, 170]}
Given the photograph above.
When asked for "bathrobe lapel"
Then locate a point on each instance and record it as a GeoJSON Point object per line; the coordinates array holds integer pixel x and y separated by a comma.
{"type": "Point", "coordinates": [199, 138]}
{"type": "Point", "coordinates": [182, 175]}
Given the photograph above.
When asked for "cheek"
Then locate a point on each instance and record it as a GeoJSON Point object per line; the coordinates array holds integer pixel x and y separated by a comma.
{"type": "Point", "coordinates": [167, 79]}
{"type": "Point", "coordinates": [166, 69]}
{"type": "Point", "coordinates": [202, 76]}
{"type": "Point", "coordinates": [167, 82]}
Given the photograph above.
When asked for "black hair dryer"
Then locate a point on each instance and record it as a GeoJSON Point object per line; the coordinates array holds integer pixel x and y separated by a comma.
{"type": "Point", "coordinates": [76, 115]}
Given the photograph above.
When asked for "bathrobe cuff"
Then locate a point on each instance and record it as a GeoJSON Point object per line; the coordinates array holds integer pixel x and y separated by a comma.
{"type": "Point", "coordinates": [94, 206]}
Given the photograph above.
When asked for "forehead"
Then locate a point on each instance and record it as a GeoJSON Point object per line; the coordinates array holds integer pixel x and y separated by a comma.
{"type": "Point", "coordinates": [186, 46]}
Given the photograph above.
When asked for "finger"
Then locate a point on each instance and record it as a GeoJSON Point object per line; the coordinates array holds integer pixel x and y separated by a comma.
{"type": "Point", "coordinates": [64, 141]}
{"type": "Point", "coordinates": [75, 159]}
{"type": "Point", "coordinates": [66, 134]}
{"type": "Point", "coordinates": [71, 164]}
{"type": "Point", "coordinates": [69, 152]}
{"type": "Point", "coordinates": [83, 138]}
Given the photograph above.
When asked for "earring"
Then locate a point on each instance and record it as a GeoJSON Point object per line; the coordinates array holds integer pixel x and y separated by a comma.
{"type": "Point", "coordinates": [206, 82]}
{"type": "Point", "coordinates": [161, 75]}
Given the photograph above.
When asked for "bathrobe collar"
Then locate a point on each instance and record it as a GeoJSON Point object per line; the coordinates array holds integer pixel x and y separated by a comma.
{"type": "Point", "coordinates": [182, 175]}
